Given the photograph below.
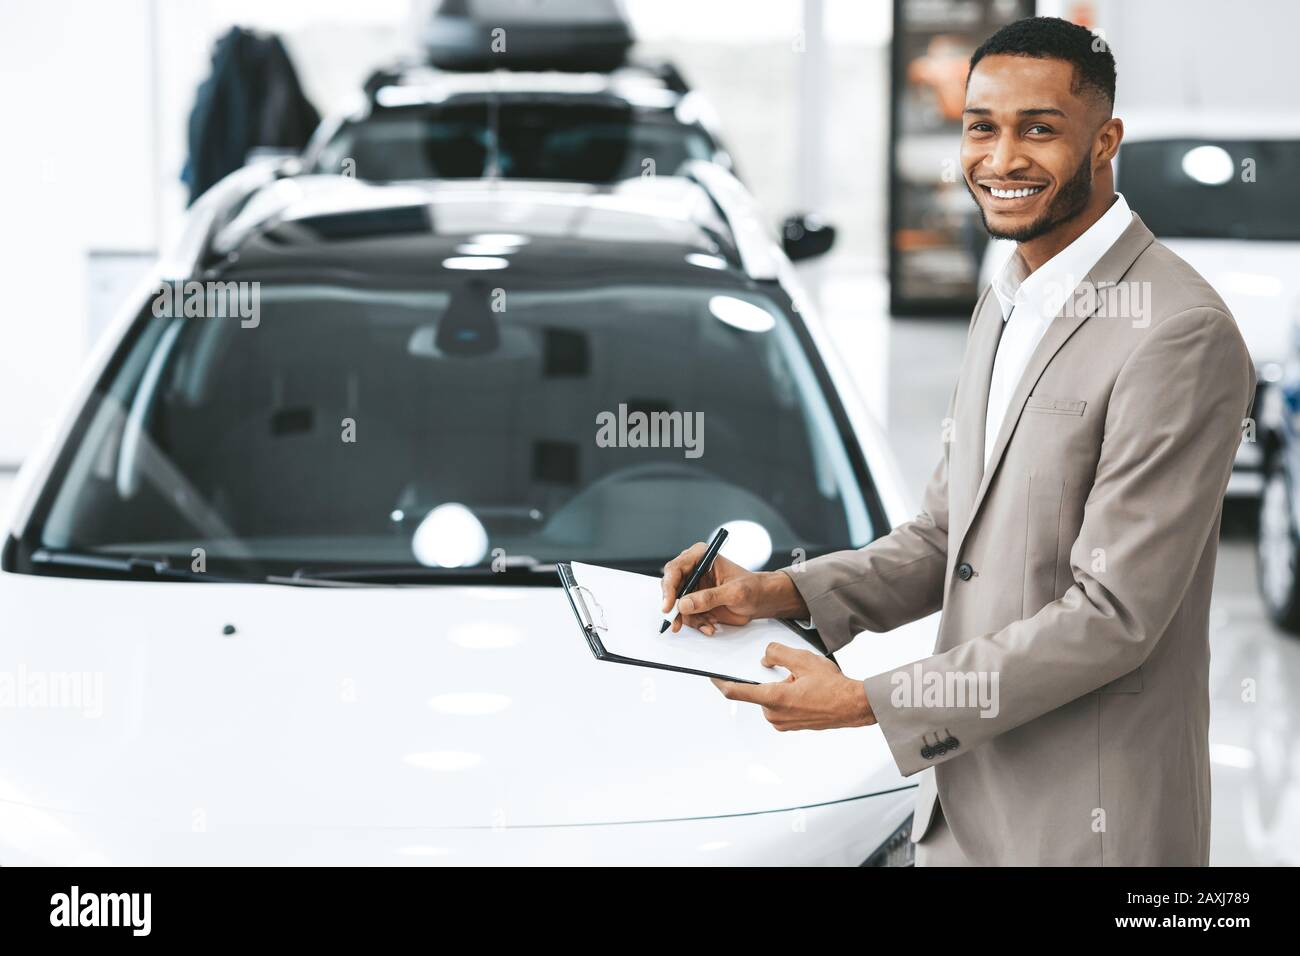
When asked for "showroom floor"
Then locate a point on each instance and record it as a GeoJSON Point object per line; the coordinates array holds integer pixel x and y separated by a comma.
{"type": "Point", "coordinates": [1255, 668]}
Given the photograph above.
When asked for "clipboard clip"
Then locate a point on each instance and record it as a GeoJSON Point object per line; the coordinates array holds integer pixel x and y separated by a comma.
{"type": "Point", "coordinates": [584, 611]}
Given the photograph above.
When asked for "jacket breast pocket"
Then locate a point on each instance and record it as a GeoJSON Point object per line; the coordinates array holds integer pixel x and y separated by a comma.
{"type": "Point", "coordinates": [1130, 683]}
{"type": "Point", "coordinates": [1055, 406]}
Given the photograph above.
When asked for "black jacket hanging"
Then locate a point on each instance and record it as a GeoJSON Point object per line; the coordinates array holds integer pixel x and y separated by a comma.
{"type": "Point", "coordinates": [252, 98]}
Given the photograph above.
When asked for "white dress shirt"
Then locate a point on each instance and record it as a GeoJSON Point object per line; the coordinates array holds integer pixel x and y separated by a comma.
{"type": "Point", "coordinates": [1030, 302]}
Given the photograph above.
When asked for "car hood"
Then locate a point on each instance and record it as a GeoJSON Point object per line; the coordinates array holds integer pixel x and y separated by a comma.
{"type": "Point", "coordinates": [1259, 282]}
{"type": "Point", "coordinates": [469, 707]}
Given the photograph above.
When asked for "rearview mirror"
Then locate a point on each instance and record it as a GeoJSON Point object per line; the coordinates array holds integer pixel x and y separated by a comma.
{"type": "Point", "coordinates": [805, 235]}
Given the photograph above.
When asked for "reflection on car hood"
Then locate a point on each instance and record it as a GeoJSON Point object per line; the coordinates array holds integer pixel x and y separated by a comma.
{"type": "Point", "coordinates": [376, 707]}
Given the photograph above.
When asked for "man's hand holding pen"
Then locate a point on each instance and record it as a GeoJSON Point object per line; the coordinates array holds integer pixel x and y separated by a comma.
{"type": "Point", "coordinates": [816, 695]}
{"type": "Point", "coordinates": [727, 593]}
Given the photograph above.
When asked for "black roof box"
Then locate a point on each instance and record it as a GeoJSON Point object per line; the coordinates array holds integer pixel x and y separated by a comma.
{"type": "Point", "coordinates": [568, 35]}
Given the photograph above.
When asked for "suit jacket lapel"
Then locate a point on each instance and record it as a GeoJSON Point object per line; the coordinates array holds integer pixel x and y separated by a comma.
{"type": "Point", "coordinates": [1109, 269]}
{"type": "Point", "coordinates": [967, 465]}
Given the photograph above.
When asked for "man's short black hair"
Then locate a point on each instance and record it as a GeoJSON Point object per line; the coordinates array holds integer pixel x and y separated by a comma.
{"type": "Point", "coordinates": [1051, 38]}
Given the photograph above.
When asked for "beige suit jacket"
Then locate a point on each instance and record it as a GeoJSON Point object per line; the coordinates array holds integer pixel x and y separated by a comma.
{"type": "Point", "coordinates": [1074, 575]}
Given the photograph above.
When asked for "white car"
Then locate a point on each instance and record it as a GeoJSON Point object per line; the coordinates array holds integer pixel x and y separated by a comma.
{"type": "Point", "coordinates": [1219, 189]}
{"type": "Point", "coordinates": [281, 589]}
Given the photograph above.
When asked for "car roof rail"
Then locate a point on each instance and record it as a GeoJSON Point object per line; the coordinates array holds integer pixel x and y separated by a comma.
{"type": "Point", "coordinates": [413, 72]}
{"type": "Point", "coordinates": [755, 242]}
{"type": "Point", "coordinates": [215, 209]}
{"type": "Point", "coordinates": [377, 80]}
{"type": "Point", "coordinates": [394, 74]}
{"type": "Point", "coordinates": [667, 71]}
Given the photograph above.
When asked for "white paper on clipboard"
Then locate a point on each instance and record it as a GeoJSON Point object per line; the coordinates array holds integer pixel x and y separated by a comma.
{"type": "Point", "coordinates": [626, 610]}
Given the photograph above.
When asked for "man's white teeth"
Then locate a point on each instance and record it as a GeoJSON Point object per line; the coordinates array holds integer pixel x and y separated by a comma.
{"type": "Point", "coordinates": [1014, 193]}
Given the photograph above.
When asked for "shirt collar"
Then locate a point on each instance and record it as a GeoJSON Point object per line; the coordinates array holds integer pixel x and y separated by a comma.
{"type": "Point", "coordinates": [1046, 288]}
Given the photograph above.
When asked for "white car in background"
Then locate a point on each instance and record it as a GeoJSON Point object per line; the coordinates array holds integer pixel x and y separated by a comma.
{"type": "Point", "coordinates": [1220, 190]}
{"type": "Point", "coordinates": [235, 635]}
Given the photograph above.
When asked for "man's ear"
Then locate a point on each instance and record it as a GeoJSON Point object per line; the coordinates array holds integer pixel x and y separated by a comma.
{"type": "Point", "coordinates": [1107, 140]}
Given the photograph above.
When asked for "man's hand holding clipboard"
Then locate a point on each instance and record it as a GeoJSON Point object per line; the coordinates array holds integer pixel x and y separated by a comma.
{"type": "Point", "coordinates": [816, 695]}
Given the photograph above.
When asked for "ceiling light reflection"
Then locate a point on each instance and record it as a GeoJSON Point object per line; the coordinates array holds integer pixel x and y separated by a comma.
{"type": "Point", "coordinates": [500, 238]}
{"type": "Point", "coordinates": [706, 261]}
{"type": "Point", "coordinates": [1210, 165]}
{"type": "Point", "coordinates": [740, 314]}
{"type": "Point", "coordinates": [483, 249]}
{"type": "Point", "coordinates": [450, 536]}
{"type": "Point", "coordinates": [475, 263]}
{"type": "Point", "coordinates": [748, 544]}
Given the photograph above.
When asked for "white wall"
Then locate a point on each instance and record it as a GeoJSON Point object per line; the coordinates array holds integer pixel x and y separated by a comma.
{"type": "Point", "coordinates": [75, 172]}
{"type": "Point", "coordinates": [749, 58]}
{"type": "Point", "coordinates": [1204, 54]}
{"type": "Point", "coordinates": [95, 97]}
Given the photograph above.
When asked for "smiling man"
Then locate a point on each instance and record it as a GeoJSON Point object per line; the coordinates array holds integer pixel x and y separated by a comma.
{"type": "Point", "coordinates": [1070, 530]}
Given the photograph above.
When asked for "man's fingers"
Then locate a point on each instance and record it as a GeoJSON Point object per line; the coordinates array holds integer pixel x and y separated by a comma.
{"type": "Point", "coordinates": [677, 570]}
{"type": "Point", "coordinates": [697, 621]}
{"type": "Point", "coordinates": [769, 695]}
{"type": "Point", "coordinates": [707, 599]}
{"type": "Point", "coordinates": [704, 623]}
{"type": "Point", "coordinates": [788, 657]}
{"type": "Point", "coordinates": [725, 615]}
{"type": "Point", "coordinates": [709, 622]}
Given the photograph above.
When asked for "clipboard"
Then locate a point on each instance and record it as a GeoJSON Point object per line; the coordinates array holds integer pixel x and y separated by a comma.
{"type": "Point", "coordinates": [590, 627]}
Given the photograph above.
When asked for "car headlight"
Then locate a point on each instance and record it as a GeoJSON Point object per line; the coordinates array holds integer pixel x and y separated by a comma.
{"type": "Point", "coordinates": [897, 850]}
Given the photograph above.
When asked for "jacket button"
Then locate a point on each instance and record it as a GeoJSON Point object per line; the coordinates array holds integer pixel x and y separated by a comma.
{"type": "Point", "coordinates": [965, 571]}
{"type": "Point", "coordinates": [952, 743]}
{"type": "Point", "coordinates": [927, 752]}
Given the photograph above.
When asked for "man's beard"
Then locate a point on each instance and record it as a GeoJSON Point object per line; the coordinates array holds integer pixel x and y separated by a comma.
{"type": "Point", "coordinates": [1067, 204]}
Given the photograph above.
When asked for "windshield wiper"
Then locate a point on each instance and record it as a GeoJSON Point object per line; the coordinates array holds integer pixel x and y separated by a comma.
{"type": "Point", "coordinates": [138, 566]}
{"type": "Point", "coordinates": [518, 569]}
{"type": "Point", "coordinates": [130, 566]}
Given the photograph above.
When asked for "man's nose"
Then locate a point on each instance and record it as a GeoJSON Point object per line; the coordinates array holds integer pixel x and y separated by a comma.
{"type": "Point", "coordinates": [1005, 157]}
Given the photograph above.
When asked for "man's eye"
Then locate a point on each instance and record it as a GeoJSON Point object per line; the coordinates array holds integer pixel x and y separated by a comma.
{"type": "Point", "coordinates": [1039, 128]}
{"type": "Point", "coordinates": [980, 128]}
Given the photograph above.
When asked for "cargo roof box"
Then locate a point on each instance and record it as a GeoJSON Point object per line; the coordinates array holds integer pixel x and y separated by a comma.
{"type": "Point", "coordinates": [569, 35]}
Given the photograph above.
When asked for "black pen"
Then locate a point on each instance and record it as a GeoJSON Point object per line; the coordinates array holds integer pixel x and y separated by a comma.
{"type": "Point", "coordinates": [701, 569]}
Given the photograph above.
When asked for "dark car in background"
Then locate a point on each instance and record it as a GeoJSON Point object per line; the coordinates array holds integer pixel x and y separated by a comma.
{"type": "Point", "coordinates": [418, 123]}
{"type": "Point", "coordinates": [504, 91]}
{"type": "Point", "coordinates": [1278, 543]}
{"type": "Point", "coordinates": [423, 123]}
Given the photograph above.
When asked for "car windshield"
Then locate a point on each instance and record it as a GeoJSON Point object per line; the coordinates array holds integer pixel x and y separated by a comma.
{"type": "Point", "coordinates": [593, 143]}
{"type": "Point", "coordinates": [1214, 189]}
{"type": "Point", "coordinates": [443, 427]}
